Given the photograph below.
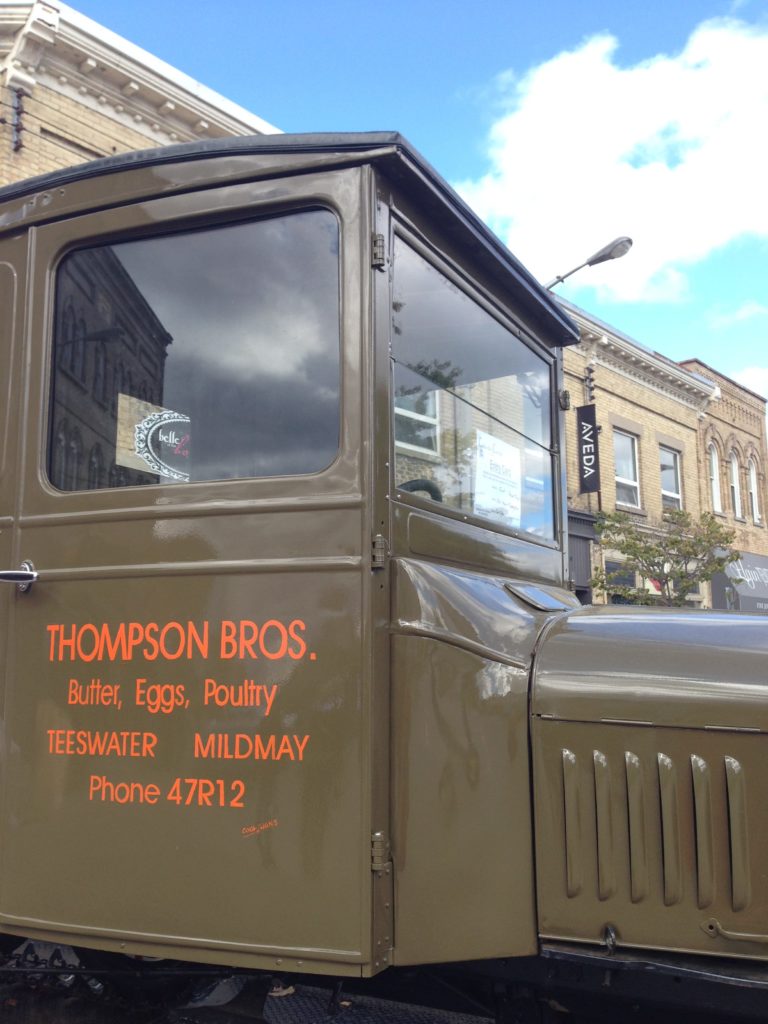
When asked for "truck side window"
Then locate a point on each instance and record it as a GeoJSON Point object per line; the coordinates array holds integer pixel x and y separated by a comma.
{"type": "Point", "coordinates": [471, 414]}
{"type": "Point", "coordinates": [211, 354]}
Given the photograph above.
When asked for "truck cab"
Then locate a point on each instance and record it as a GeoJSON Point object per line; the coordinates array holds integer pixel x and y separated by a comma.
{"type": "Point", "coordinates": [293, 679]}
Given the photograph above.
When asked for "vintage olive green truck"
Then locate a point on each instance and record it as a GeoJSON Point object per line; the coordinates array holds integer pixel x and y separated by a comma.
{"type": "Point", "coordinates": [292, 677]}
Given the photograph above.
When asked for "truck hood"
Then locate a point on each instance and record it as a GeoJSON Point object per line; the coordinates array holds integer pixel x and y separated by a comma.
{"type": "Point", "coordinates": [659, 667]}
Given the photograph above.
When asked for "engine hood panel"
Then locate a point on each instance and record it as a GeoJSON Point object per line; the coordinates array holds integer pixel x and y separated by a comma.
{"type": "Point", "coordinates": [661, 667]}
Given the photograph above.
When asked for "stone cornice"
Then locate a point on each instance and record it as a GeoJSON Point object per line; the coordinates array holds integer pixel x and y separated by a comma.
{"type": "Point", "coordinates": [644, 367]}
{"type": "Point", "coordinates": [47, 43]}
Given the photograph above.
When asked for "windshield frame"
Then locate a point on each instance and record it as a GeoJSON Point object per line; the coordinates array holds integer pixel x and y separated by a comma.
{"type": "Point", "coordinates": [471, 288]}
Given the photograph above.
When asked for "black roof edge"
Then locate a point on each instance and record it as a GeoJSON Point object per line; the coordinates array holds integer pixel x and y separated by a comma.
{"type": "Point", "coordinates": [325, 142]}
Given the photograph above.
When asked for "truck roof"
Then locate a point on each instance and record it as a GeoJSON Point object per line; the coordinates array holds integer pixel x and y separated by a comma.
{"type": "Point", "coordinates": [388, 149]}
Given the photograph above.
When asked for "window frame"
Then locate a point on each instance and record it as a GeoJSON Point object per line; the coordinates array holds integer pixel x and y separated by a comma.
{"type": "Point", "coordinates": [123, 380]}
{"type": "Point", "coordinates": [214, 197]}
{"type": "Point", "coordinates": [630, 580]}
{"type": "Point", "coordinates": [754, 491]}
{"type": "Point", "coordinates": [674, 499]}
{"type": "Point", "coordinates": [626, 481]}
{"type": "Point", "coordinates": [433, 421]}
{"type": "Point", "coordinates": [457, 276]}
{"type": "Point", "coordinates": [735, 484]}
{"type": "Point", "coordinates": [713, 458]}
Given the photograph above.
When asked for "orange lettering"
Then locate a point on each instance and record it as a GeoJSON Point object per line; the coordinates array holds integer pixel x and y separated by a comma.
{"type": "Point", "coordinates": [280, 652]}
{"type": "Point", "coordinates": [135, 636]}
{"type": "Point", "coordinates": [194, 638]}
{"type": "Point", "coordinates": [53, 630]}
{"type": "Point", "coordinates": [297, 652]}
{"type": "Point", "coordinates": [152, 647]}
{"type": "Point", "coordinates": [228, 648]}
{"type": "Point", "coordinates": [100, 788]}
{"type": "Point", "coordinates": [88, 743]}
{"type": "Point", "coordinates": [247, 643]}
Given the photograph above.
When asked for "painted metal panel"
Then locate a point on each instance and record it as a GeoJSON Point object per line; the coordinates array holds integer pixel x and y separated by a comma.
{"type": "Point", "coordinates": [462, 838]}
{"type": "Point", "coordinates": [188, 723]}
{"type": "Point", "coordinates": [702, 802]}
{"type": "Point", "coordinates": [689, 828]}
{"type": "Point", "coordinates": [638, 851]}
{"type": "Point", "coordinates": [660, 666]}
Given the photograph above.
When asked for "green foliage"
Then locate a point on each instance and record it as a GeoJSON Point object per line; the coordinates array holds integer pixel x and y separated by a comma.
{"type": "Point", "coordinates": [674, 556]}
{"type": "Point", "coordinates": [443, 373]}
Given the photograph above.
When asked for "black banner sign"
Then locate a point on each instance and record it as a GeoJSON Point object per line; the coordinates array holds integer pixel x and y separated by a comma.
{"type": "Point", "coordinates": [589, 460]}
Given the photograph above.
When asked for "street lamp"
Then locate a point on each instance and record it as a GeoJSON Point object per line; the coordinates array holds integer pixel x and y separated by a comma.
{"type": "Point", "coordinates": [618, 247]}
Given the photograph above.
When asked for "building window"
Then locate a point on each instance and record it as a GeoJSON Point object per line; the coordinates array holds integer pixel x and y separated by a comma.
{"type": "Point", "coordinates": [416, 421]}
{"type": "Point", "coordinates": [733, 478]}
{"type": "Point", "coordinates": [627, 480]}
{"type": "Point", "coordinates": [99, 372]}
{"type": "Point", "coordinates": [621, 578]}
{"type": "Point", "coordinates": [74, 462]}
{"type": "Point", "coordinates": [714, 478]}
{"type": "Point", "coordinates": [79, 367]}
{"type": "Point", "coordinates": [59, 459]}
{"type": "Point", "coordinates": [95, 468]}
{"type": "Point", "coordinates": [669, 463]}
{"type": "Point", "coordinates": [67, 342]}
{"type": "Point", "coordinates": [754, 503]}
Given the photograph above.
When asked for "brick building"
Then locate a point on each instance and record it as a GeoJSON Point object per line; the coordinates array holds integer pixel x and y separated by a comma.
{"type": "Point", "coordinates": [732, 451]}
{"type": "Point", "coordinates": [71, 91]}
{"type": "Point", "coordinates": [669, 435]}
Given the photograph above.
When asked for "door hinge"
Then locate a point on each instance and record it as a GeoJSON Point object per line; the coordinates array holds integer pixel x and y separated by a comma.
{"type": "Point", "coordinates": [378, 256]}
{"type": "Point", "coordinates": [380, 552]}
{"type": "Point", "coordinates": [380, 852]}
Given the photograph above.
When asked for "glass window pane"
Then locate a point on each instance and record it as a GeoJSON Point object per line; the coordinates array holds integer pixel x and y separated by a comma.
{"type": "Point", "coordinates": [733, 472]}
{"type": "Point", "coordinates": [207, 355]}
{"type": "Point", "coordinates": [669, 481]}
{"type": "Point", "coordinates": [669, 465]}
{"type": "Point", "coordinates": [624, 449]}
{"type": "Point", "coordinates": [626, 494]}
{"type": "Point", "coordinates": [487, 439]}
{"type": "Point", "coordinates": [714, 478]}
{"type": "Point", "coordinates": [416, 432]}
{"type": "Point", "coordinates": [754, 502]}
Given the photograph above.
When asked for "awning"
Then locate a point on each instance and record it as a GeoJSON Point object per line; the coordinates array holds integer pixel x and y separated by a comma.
{"type": "Point", "coordinates": [743, 586]}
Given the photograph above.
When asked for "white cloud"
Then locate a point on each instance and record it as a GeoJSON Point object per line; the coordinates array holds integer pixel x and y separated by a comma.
{"type": "Point", "coordinates": [755, 378]}
{"type": "Point", "coordinates": [670, 151]}
{"type": "Point", "coordinates": [747, 311]}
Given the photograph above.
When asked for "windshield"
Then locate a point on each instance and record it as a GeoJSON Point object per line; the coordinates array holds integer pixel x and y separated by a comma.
{"type": "Point", "coordinates": [471, 404]}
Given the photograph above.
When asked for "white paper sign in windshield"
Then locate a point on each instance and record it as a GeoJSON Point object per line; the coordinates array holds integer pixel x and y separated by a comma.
{"type": "Point", "coordinates": [497, 479]}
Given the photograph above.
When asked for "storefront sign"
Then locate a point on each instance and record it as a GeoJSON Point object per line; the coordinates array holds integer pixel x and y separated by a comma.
{"type": "Point", "coordinates": [152, 438]}
{"type": "Point", "coordinates": [589, 460]}
{"type": "Point", "coordinates": [743, 586]}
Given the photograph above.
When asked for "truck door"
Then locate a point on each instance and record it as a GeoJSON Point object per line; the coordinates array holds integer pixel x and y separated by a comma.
{"type": "Point", "coordinates": [184, 749]}
{"type": "Point", "coordinates": [12, 258]}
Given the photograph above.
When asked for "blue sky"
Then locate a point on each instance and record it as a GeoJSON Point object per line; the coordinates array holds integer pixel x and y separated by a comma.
{"type": "Point", "coordinates": [564, 124]}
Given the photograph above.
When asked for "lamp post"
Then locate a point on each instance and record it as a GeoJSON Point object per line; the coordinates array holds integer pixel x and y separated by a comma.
{"type": "Point", "coordinates": [618, 247]}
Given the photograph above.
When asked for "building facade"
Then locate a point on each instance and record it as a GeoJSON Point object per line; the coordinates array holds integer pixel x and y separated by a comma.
{"type": "Point", "coordinates": [732, 447]}
{"type": "Point", "coordinates": [72, 91]}
{"type": "Point", "coordinates": [665, 435]}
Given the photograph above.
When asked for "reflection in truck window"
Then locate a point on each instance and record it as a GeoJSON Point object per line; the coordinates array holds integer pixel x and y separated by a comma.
{"type": "Point", "coordinates": [471, 404]}
{"type": "Point", "coordinates": [206, 355]}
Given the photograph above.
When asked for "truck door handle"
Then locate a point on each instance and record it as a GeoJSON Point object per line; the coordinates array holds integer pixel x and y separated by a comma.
{"type": "Point", "coordinates": [23, 577]}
